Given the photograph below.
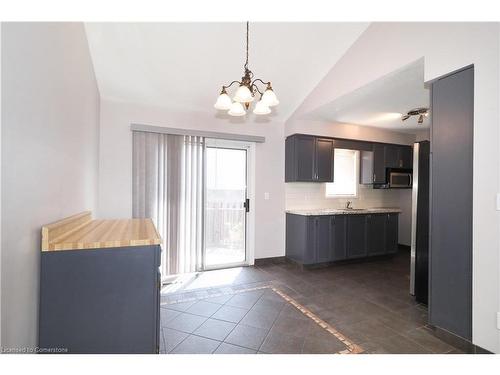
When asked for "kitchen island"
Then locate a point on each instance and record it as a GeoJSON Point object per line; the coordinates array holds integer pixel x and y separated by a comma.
{"type": "Point", "coordinates": [99, 286]}
{"type": "Point", "coordinates": [315, 236]}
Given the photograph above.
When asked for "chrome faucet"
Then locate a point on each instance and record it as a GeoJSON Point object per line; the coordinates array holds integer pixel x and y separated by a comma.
{"type": "Point", "coordinates": [348, 205]}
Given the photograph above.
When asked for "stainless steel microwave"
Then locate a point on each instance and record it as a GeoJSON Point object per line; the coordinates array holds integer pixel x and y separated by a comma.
{"type": "Point", "coordinates": [399, 178]}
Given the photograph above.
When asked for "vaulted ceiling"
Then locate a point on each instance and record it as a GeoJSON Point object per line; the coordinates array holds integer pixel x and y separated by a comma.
{"type": "Point", "coordinates": [182, 66]}
{"type": "Point", "coordinates": [382, 103]}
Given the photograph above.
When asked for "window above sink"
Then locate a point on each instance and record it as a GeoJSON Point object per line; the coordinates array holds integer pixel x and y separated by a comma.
{"type": "Point", "coordinates": [345, 172]}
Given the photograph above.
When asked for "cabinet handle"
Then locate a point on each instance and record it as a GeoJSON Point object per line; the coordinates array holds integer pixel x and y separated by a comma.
{"type": "Point", "coordinates": [374, 177]}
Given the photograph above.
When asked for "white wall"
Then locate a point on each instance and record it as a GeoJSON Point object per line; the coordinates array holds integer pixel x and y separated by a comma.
{"type": "Point", "coordinates": [50, 120]}
{"type": "Point", "coordinates": [386, 47]}
{"type": "Point", "coordinates": [115, 164]}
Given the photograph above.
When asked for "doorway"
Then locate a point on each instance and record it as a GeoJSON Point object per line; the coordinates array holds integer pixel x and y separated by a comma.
{"type": "Point", "coordinates": [226, 205]}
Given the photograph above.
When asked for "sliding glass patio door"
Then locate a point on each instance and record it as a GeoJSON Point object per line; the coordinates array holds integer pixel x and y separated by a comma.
{"type": "Point", "coordinates": [225, 205]}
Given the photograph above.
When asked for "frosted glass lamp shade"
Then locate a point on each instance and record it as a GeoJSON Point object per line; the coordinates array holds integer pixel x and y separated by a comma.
{"type": "Point", "coordinates": [261, 108]}
{"type": "Point", "coordinates": [269, 98]}
{"type": "Point", "coordinates": [237, 109]}
{"type": "Point", "coordinates": [243, 95]}
{"type": "Point", "coordinates": [223, 102]}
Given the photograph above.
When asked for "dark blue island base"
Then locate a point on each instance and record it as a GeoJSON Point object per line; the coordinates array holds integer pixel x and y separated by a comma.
{"type": "Point", "coordinates": [100, 300]}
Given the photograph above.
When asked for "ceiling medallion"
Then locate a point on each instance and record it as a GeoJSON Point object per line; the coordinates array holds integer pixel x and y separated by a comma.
{"type": "Point", "coordinates": [245, 94]}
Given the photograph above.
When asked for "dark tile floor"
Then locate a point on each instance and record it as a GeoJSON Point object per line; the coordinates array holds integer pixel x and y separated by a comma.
{"type": "Point", "coordinates": [368, 303]}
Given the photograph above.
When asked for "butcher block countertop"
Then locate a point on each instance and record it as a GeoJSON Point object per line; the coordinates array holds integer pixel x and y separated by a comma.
{"type": "Point", "coordinates": [80, 231]}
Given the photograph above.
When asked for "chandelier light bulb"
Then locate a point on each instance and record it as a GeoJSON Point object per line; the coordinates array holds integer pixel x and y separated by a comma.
{"type": "Point", "coordinates": [269, 98]}
{"type": "Point", "coordinates": [261, 108]}
{"type": "Point", "coordinates": [237, 109]}
{"type": "Point", "coordinates": [223, 102]}
{"type": "Point", "coordinates": [243, 95]}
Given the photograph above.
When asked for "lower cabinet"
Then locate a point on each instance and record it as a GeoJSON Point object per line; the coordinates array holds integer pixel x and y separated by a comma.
{"type": "Point", "coordinates": [330, 238]}
{"type": "Point", "coordinates": [319, 231]}
{"type": "Point", "coordinates": [338, 234]}
{"type": "Point", "coordinates": [376, 234]}
{"type": "Point", "coordinates": [356, 236]}
{"type": "Point", "coordinates": [392, 230]}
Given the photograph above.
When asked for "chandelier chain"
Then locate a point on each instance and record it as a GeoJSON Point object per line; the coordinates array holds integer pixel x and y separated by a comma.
{"type": "Point", "coordinates": [246, 61]}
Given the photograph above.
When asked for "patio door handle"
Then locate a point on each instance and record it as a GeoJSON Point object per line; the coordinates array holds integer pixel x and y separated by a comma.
{"type": "Point", "coordinates": [246, 204]}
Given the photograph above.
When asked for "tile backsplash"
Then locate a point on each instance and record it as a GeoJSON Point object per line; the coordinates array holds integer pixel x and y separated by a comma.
{"type": "Point", "coordinates": [312, 195]}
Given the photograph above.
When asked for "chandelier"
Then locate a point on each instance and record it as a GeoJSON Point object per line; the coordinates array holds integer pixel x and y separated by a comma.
{"type": "Point", "coordinates": [245, 94]}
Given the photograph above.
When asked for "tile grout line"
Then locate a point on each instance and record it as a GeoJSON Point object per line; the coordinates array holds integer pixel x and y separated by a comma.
{"type": "Point", "coordinates": [272, 325]}
{"type": "Point", "coordinates": [351, 347]}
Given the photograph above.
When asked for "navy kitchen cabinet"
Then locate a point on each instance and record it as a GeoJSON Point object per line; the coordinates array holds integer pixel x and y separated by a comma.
{"type": "Point", "coordinates": [304, 158]}
{"type": "Point", "coordinates": [405, 156]}
{"type": "Point", "coordinates": [308, 159]}
{"type": "Point", "coordinates": [376, 234]}
{"type": "Point", "coordinates": [391, 158]}
{"type": "Point", "coordinates": [338, 238]}
{"type": "Point", "coordinates": [324, 160]}
{"type": "Point", "coordinates": [379, 176]}
{"type": "Point", "coordinates": [356, 236]}
{"type": "Point", "coordinates": [391, 232]}
{"type": "Point", "coordinates": [320, 239]}
{"type": "Point", "coordinates": [329, 238]}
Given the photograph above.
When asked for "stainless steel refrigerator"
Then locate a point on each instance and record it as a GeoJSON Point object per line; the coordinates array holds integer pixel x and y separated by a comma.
{"type": "Point", "coordinates": [419, 271]}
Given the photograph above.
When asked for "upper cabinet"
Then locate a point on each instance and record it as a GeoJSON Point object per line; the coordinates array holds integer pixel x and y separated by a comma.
{"type": "Point", "coordinates": [406, 157]}
{"type": "Point", "coordinates": [311, 159]}
{"type": "Point", "coordinates": [390, 156]}
{"type": "Point", "coordinates": [308, 159]}
{"type": "Point", "coordinates": [379, 164]}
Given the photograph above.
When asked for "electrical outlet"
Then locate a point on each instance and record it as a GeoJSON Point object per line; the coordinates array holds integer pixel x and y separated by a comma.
{"type": "Point", "coordinates": [498, 320]}
{"type": "Point", "coordinates": [498, 201]}
{"type": "Point", "coordinates": [266, 196]}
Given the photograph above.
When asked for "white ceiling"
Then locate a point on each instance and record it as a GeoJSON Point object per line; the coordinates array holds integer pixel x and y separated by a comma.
{"type": "Point", "coordinates": [182, 66]}
{"type": "Point", "coordinates": [382, 102]}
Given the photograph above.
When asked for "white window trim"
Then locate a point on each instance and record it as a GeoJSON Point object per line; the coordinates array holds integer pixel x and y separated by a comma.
{"type": "Point", "coordinates": [344, 196]}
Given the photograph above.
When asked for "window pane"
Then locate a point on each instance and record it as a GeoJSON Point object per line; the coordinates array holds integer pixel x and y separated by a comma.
{"type": "Point", "coordinates": [345, 174]}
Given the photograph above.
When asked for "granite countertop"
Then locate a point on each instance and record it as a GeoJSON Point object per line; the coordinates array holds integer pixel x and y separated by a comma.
{"type": "Point", "coordinates": [343, 211]}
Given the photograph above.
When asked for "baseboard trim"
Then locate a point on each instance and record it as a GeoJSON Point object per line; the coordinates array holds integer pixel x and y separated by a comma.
{"type": "Point", "coordinates": [457, 341]}
{"type": "Point", "coordinates": [270, 260]}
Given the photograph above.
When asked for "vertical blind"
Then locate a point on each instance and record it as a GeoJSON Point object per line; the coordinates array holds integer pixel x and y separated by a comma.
{"type": "Point", "coordinates": [168, 187]}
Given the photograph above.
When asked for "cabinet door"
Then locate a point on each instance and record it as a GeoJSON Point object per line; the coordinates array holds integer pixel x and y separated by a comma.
{"type": "Point", "coordinates": [324, 160]}
{"type": "Point", "coordinates": [391, 233]}
{"type": "Point", "coordinates": [356, 236]}
{"type": "Point", "coordinates": [406, 157]}
{"type": "Point", "coordinates": [322, 232]}
{"type": "Point", "coordinates": [366, 167]}
{"type": "Point", "coordinates": [304, 158]}
{"type": "Point", "coordinates": [376, 227]}
{"type": "Point", "coordinates": [379, 164]}
{"type": "Point", "coordinates": [290, 159]}
{"type": "Point", "coordinates": [338, 237]}
{"type": "Point", "coordinates": [392, 156]}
